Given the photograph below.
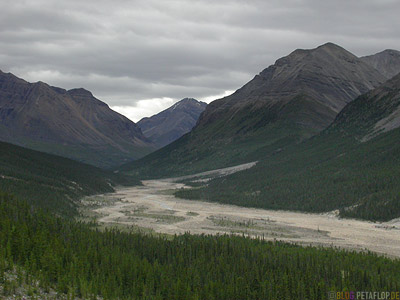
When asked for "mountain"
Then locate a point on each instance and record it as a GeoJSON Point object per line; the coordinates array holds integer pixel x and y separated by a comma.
{"type": "Point", "coordinates": [353, 166]}
{"type": "Point", "coordinates": [51, 181]}
{"type": "Point", "coordinates": [386, 62]}
{"type": "Point", "coordinates": [170, 124]}
{"type": "Point", "coordinates": [69, 123]}
{"type": "Point", "coordinates": [372, 114]}
{"type": "Point", "coordinates": [288, 102]}
{"type": "Point", "coordinates": [329, 76]}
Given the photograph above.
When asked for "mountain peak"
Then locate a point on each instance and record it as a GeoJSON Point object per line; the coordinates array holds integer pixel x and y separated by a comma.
{"type": "Point", "coordinates": [391, 52]}
{"type": "Point", "coordinates": [330, 45]}
{"type": "Point", "coordinates": [173, 122]}
{"type": "Point", "coordinates": [186, 102]}
{"type": "Point", "coordinates": [41, 85]}
{"type": "Point", "coordinates": [71, 123]}
{"type": "Point", "coordinates": [8, 73]}
{"type": "Point", "coordinates": [322, 55]}
{"type": "Point", "coordinates": [327, 47]}
{"type": "Point", "coordinates": [9, 77]}
{"type": "Point", "coordinates": [329, 74]}
{"type": "Point", "coordinates": [80, 92]}
{"type": "Point", "coordinates": [82, 95]}
{"type": "Point", "coordinates": [387, 62]}
{"type": "Point", "coordinates": [295, 98]}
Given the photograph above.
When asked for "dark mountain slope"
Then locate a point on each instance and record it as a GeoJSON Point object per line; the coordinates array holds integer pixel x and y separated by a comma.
{"type": "Point", "coordinates": [51, 181]}
{"type": "Point", "coordinates": [353, 166]}
{"type": "Point", "coordinates": [386, 62]}
{"type": "Point", "coordinates": [70, 123]}
{"type": "Point", "coordinates": [170, 124]}
{"type": "Point", "coordinates": [328, 75]}
{"type": "Point", "coordinates": [373, 113]}
{"type": "Point", "coordinates": [288, 102]}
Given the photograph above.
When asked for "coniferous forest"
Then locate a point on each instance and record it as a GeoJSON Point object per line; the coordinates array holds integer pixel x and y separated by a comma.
{"type": "Point", "coordinates": [78, 261]}
{"type": "Point", "coordinates": [280, 182]}
{"type": "Point", "coordinates": [360, 179]}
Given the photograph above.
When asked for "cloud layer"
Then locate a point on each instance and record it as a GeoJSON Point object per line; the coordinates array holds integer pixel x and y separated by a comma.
{"type": "Point", "coordinates": [148, 54]}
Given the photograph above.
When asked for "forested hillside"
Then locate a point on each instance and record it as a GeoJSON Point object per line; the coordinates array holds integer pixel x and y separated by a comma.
{"type": "Point", "coordinates": [49, 253]}
{"type": "Point", "coordinates": [362, 180]}
{"type": "Point", "coordinates": [353, 166]}
{"type": "Point", "coordinates": [52, 181]}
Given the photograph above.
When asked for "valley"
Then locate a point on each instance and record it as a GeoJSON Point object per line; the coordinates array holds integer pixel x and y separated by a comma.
{"type": "Point", "coordinates": [207, 150]}
{"type": "Point", "coordinates": [153, 208]}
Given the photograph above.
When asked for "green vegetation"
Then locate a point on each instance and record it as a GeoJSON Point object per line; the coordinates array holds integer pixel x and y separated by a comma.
{"type": "Point", "coordinates": [230, 141]}
{"type": "Point", "coordinates": [101, 157]}
{"type": "Point", "coordinates": [47, 254]}
{"type": "Point", "coordinates": [351, 166]}
{"type": "Point", "coordinates": [192, 213]}
{"type": "Point", "coordinates": [223, 222]}
{"type": "Point", "coordinates": [328, 172]}
{"type": "Point", "coordinates": [51, 181]}
{"type": "Point", "coordinates": [185, 157]}
{"type": "Point", "coordinates": [162, 218]}
{"type": "Point", "coordinates": [333, 170]}
{"type": "Point", "coordinates": [76, 261]}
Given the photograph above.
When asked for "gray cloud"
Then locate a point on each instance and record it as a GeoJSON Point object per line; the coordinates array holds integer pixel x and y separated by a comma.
{"type": "Point", "coordinates": [128, 51]}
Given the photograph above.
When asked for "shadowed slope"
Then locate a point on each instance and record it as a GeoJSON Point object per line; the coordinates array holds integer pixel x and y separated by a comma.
{"type": "Point", "coordinates": [70, 123]}
{"type": "Point", "coordinates": [288, 102]}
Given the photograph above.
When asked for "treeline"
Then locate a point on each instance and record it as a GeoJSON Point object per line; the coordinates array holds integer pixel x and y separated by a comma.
{"type": "Point", "coordinates": [325, 173]}
{"type": "Point", "coordinates": [78, 261]}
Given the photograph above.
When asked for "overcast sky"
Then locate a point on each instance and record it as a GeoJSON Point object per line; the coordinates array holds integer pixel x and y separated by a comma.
{"type": "Point", "coordinates": [141, 56]}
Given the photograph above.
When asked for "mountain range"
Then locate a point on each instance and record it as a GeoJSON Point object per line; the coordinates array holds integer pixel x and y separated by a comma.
{"type": "Point", "coordinates": [288, 102]}
{"type": "Point", "coordinates": [324, 127]}
{"type": "Point", "coordinates": [70, 123]}
{"type": "Point", "coordinates": [352, 167]}
{"type": "Point", "coordinates": [170, 124]}
{"type": "Point", "coordinates": [322, 123]}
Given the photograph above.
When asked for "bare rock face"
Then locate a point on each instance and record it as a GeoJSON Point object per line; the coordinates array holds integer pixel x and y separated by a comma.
{"type": "Point", "coordinates": [327, 77]}
{"type": "Point", "coordinates": [170, 124]}
{"type": "Point", "coordinates": [373, 113]}
{"type": "Point", "coordinates": [386, 62]}
{"type": "Point", "coordinates": [70, 123]}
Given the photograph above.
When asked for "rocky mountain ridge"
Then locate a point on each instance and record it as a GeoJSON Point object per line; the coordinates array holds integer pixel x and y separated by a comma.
{"type": "Point", "coordinates": [70, 123]}
{"type": "Point", "coordinates": [173, 122]}
{"type": "Point", "coordinates": [386, 62]}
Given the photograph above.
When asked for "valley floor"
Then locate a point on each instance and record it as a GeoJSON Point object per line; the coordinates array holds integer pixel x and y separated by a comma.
{"type": "Point", "coordinates": [153, 207]}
